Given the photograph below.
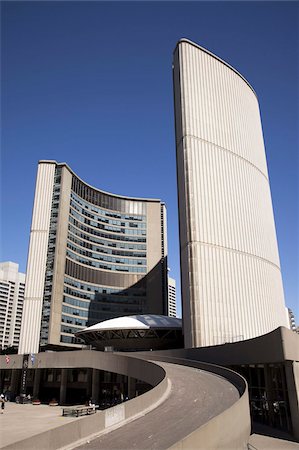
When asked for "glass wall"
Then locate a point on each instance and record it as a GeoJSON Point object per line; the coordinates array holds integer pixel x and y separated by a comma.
{"type": "Point", "coordinates": [269, 403]}
{"type": "Point", "coordinates": [106, 235]}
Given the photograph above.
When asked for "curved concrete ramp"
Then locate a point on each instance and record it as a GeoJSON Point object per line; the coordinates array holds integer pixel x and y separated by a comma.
{"type": "Point", "coordinates": [195, 398]}
{"type": "Point", "coordinates": [192, 405]}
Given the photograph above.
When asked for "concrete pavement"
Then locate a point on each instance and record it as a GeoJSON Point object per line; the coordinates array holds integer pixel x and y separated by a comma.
{"type": "Point", "coordinates": [19, 422]}
{"type": "Point", "coordinates": [260, 442]}
{"type": "Point", "coordinates": [188, 406]}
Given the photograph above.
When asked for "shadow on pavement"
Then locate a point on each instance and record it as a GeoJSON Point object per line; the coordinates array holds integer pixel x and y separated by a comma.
{"type": "Point", "coordinates": [258, 428]}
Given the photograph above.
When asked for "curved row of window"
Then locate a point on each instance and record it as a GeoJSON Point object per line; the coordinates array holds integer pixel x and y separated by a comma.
{"type": "Point", "coordinates": [98, 265]}
{"type": "Point", "coordinates": [102, 297]}
{"type": "Point", "coordinates": [91, 288]}
{"type": "Point", "coordinates": [70, 340]}
{"type": "Point", "coordinates": [110, 259]}
{"type": "Point", "coordinates": [75, 302]}
{"type": "Point", "coordinates": [75, 311]}
{"type": "Point", "coordinates": [96, 224]}
{"type": "Point", "coordinates": [87, 274]}
{"type": "Point", "coordinates": [89, 238]}
{"type": "Point", "coordinates": [95, 232]}
{"type": "Point", "coordinates": [100, 218]}
{"type": "Point", "coordinates": [74, 321]}
{"type": "Point", "coordinates": [70, 330]}
{"type": "Point", "coordinates": [104, 250]}
{"type": "Point", "coordinates": [103, 212]}
{"type": "Point", "coordinates": [95, 310]}
{"type": "Point", "coordinates": [74, 293]}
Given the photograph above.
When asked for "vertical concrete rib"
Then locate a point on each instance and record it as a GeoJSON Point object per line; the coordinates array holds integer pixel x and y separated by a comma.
{"type": "Point", "coordinates": [36, 265]}
{"type": "Point", "coordinates": [229, 255]}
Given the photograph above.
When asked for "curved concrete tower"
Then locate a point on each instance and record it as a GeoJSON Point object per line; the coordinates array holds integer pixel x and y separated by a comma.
{"type": "Point", "coordinates": [93, 256]}
{"type": "Point", "coordinates": [231, 280]}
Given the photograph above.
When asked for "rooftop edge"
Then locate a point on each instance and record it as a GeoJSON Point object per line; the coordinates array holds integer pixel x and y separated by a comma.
{"type": "Point", "coordinates": [137, 199]}
{"type": "Point", "coordinates": [187, 41]}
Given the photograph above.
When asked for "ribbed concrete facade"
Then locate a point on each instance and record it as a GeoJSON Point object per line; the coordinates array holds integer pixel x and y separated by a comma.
{"type": "Point", "coordinates": [231, 280]}
{"type": "Point", "coordinates": [37, 256]}
{"type": "Point", "coordinates": [92, 256]}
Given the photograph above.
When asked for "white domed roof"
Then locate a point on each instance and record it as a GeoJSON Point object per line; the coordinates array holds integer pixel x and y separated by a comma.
{"type": "Point", "coordinates": [139, 322]}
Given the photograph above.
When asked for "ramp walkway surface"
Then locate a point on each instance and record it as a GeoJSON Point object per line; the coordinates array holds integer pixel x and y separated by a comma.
{"type": "Point", "coordinates": [189, 405]}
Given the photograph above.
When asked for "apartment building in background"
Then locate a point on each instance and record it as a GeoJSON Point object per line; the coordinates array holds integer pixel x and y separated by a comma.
{"type": "Point", "coordinates": [92, 256]}
{"type": "Point", "coordinates": [230, 270]}
{"type": "Point", "coordinates": [171, 297]}
{"type": "Point", "coordinates": [291, 319]}
{"type": "Point", "coordinates": [12, 286]}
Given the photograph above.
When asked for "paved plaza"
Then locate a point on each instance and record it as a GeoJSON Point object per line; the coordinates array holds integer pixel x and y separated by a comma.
{"type": "Point", "coordinates": [260, 442]}
{"type": "Point", "coordinates": [19, 422]}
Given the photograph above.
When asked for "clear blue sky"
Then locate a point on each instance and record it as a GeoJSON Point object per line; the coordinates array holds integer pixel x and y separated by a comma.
{"type": "Point", "coordinates": [90, 83]}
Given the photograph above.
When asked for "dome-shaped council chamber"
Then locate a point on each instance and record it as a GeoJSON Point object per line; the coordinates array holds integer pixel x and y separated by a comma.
{"type": "Point", "coordinates": [129, 333]}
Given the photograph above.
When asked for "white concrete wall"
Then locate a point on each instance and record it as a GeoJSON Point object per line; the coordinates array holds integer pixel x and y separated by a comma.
{"type": "Point", "coordinates": [231, 280]}
{"type": "Point", "coordinates": [37, 256]}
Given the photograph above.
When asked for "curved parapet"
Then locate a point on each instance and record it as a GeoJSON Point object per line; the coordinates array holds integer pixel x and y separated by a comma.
{"type": "Point", "coordinates": [147, 371]}
{"type": "Point", "coordinates": [230, 412]}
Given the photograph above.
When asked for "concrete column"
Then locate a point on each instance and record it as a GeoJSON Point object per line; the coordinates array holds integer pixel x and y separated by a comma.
{"type": "Point", "coordinates": [15, 381]}
{"type": "Point", "coordinates": [95, 385]}
{"type": "Point", "coordinates": [292, 380]}
{"type": "Point", "coordinates": [131, 387]}
{"type": "Point", "coordinates": [89, 383]}
{"type": "Point", "coordinates": [269, 390]}
{"type": "Point", "coordinates": [2, 376]}
{"type": "Point", "coordinates": [36, 382]}
{"type": "Point", "coordinates": [63, 385]}
{"type": "Point", "coordinates": [122, 387]}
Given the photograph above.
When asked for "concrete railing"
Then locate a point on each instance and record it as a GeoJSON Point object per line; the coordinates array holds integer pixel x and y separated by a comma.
{"type": "Point", "coordinates": [118, 363]}
{"type": "Point", "coordinates": [85, 427]}
{"type": "Point", "coordinates": [80, 429]}
{"type": "Point", "coordinates": [228, 430]}
{"type": "Point", "coordinates": [233, 377]}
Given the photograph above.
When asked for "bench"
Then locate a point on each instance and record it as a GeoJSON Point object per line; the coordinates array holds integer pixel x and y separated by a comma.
{"type": "Point", "coordinates": [78, 410]}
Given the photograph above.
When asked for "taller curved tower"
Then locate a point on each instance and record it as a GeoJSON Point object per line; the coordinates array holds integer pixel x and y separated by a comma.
{"type": "Point", "coordinates": [231, 279]}
{"type": "Point", "coordinates": [92, 256]}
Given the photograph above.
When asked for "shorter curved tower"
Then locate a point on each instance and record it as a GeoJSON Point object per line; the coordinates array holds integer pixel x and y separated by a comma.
{"type": "Point", "coordinates": [92, 256]}
{"type": "Point", "coordinates": [231, 280]}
